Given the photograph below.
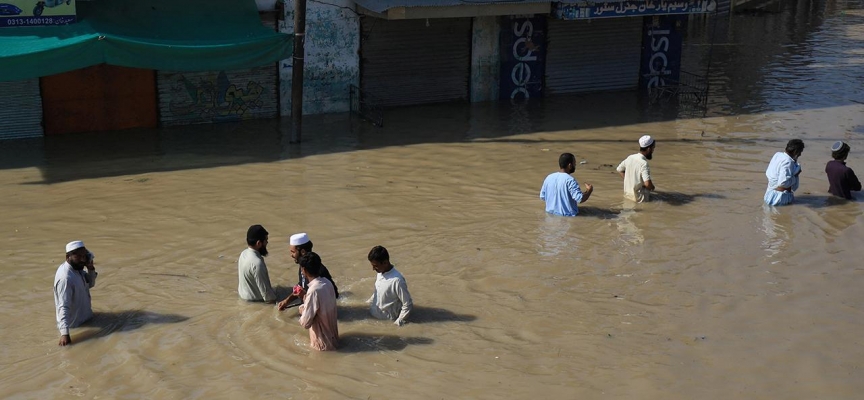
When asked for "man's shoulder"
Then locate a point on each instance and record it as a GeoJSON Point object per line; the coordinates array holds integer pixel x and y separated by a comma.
{"type": "Point", "coordinates": [394, 273]}
{"type": "Point", "coordinates": [251, 257]}
{"type": "Point", "coordinates": [550, 177]}
{"type": "Point", "coordinates": [63, 272]}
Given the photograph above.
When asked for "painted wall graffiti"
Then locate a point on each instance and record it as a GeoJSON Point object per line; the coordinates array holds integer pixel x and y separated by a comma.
{"type": "Point", "coordinates": [201, 97]}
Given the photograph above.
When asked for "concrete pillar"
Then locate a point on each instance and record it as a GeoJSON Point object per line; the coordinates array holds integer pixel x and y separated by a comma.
{"type": "Point", "coordinates": [485, 59]}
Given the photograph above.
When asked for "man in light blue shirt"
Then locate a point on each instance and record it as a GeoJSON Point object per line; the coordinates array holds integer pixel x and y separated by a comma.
{"type": "Point", "coordinates": [782, 174]}
{"type": "Point", "coordinates": [561, 191]}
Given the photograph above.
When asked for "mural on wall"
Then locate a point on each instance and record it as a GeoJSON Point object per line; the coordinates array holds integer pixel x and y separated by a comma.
{"type": "Point", "coordinates": [523, 58]}
{"type": "Point", "coordinates": [203, 97]}
{"type": "Point", "coordinates": [36, 12]}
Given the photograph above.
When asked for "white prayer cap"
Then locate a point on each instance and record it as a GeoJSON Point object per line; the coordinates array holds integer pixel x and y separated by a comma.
{"type": "Point", "coordinates": [837, 145]}
{"type": "Point", "coordinates": [298, 239]}
{"type": "Point", "coordinates": [72, 246]}
{"type": "Point", "coordinates": [646, 141]}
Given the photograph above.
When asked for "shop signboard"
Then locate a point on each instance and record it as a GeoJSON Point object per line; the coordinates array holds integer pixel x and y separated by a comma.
{"type": "Point", "coordinates": [633, 8]}
{"type": "Point", "coordinates": [36, 12]}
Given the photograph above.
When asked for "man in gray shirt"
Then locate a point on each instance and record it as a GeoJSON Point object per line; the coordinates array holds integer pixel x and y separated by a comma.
{"type": "Point", "coordinates": [254, 280]}
{"type": "Point", "coordinates": [72, 289]}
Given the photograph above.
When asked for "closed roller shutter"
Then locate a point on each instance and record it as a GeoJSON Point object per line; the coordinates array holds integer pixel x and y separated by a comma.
{"type": "Point", "coordinates": [20, 109]}
{"type": "Point", "coordinates": [219, 96]}
{"type": "Point", "coordinates": [407, 62]}
{"type": "Point", "coordinates": [594, 55]}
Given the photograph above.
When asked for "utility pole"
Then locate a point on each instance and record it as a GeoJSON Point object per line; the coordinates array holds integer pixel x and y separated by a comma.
{"type": "Point", "coordinates": [297, 70]}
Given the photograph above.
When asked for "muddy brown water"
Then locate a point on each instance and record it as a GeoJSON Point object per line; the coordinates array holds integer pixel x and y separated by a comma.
{"type": "Point", "coordinates": [704, 293]}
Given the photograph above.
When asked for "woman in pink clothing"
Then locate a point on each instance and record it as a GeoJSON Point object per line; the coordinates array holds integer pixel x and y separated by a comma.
{"type": "Point", "coordinates": [318, 312]}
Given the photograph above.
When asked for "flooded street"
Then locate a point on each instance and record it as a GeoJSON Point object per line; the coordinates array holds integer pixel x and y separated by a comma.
{"type": "Point", "coordinates": [703, 293]}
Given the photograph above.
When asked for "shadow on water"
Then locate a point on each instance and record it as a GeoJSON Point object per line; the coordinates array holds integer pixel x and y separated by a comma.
{"type": "Point", "coordinates": [820, 201]}
{"type": "Point", "coordinates": [680, 199]}
{"type": "Point", "coordinates": [122, 321]}
{"type": "Point", "coordinates": [420, 315]}
{"type": "Point", "coordinates": [597, 212]}
{"type": "Point", "coordinates": [362, 342]}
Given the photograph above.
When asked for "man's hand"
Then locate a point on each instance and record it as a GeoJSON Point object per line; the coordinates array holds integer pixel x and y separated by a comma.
{"type": "Point", "coordinates": [589, 187]}
{"type": "Point", "coordinates": [90, 266]}
{"type": "Point", "coordinates": [65, 340]}
{"type": "Point", "coordinates": [284, 303]}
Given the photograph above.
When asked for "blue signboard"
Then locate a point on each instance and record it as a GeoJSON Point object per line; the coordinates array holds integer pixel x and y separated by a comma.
{"type": "Point", "coordinates": [630, 8]}
{"type": "Point", "coordinates": [661, 50]}
{"type": "Point", "coordinates": [523, 57]}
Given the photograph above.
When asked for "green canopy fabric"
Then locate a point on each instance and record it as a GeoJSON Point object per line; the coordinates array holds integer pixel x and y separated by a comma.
{"type": "Point", "coordinates": [174, 35]}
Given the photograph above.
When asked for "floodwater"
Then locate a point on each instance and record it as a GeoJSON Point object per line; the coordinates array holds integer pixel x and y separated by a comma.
{"type": "Point", "coordinates": [704, 293]}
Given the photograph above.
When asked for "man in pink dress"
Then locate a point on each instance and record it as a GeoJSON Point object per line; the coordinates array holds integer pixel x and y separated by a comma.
{"type": "Point", "coordinates": [318, 312]}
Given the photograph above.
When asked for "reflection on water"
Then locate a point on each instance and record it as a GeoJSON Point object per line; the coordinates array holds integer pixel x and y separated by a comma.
{"type": "Point", "coordinates": [700, 292]}
{"type": "Point", "coordinates": [628, 231]}
{"type": "Point", "coordinates": [777, 227]}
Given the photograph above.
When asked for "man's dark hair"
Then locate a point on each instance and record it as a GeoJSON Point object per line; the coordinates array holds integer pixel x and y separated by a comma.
{"type": "Point", "coordinates": [646, 148]}
{"type": "Point", "coordinates": [311, 262]}
{"type": "Point", "coordinates": [795, 147]}
{"type": "Point", "coordinates": [256, 233]}
{"type": "Point", "coordinates": [566, 159]}
{"type": "Point", "coordinates": [379, 254]}
{"type": "Point", "coordinates": [842, 153]}
{"type": "Point", "coordinates": [305, 246]}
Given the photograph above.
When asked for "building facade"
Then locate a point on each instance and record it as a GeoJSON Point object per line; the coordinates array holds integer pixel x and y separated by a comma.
{"type": "Point", "coordinates": [403, 53]}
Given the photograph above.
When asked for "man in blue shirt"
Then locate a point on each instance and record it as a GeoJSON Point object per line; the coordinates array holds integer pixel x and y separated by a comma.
{"type": "Point", "coordinates": [561, 191]}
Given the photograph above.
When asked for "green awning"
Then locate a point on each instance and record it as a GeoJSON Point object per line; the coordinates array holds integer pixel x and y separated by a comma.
{"type": "Point", "coordinates": [175, 35]}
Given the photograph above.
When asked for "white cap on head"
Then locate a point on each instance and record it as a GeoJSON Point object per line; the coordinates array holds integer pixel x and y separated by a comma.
{"type": "Point", "coordinates": [837, 145]}
{"type": "Point", "coordinates": [298, 239]}
{"type": "Point", "coordinates": [72, 246]}
{"type": "Point", "coordinates": [646, 141]}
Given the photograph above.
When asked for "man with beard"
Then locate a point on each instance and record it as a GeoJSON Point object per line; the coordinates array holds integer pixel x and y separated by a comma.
{"type": "Point", "coordinates": [72, 289]}
{"type": "Point", "coordinates": [634, 170]}
{"type": "Point", "coordinates": [300, 245]}
{"type": "Point", "coordinates": [254, 279]}
{"type": "Point", "coordinates": [561, 192]}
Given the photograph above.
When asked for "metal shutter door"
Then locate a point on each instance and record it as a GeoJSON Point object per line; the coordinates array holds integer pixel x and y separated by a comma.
{"type": "Point", "coordinates": [218, 96]}
{"type": "Point", "coordinates": [20, 109]}
{"type": "Point", "coordinates": [406, 62]}
{"type": "Point", "coordinates": [595, 55]}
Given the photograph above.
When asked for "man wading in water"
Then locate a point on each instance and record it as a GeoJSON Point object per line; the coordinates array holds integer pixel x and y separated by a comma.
{"type": "Point", "coordinates": [300, 245]}
{"type": "Point", "coordinates": [635, 172]}
{"type": "Point", "coordinates": [72, 289]}
{"type": "Point", "coordinates": [561, 192]}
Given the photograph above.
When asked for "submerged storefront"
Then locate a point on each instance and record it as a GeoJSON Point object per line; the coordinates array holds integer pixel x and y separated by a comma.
{"type": "Point", "coordinates": [110, 56]}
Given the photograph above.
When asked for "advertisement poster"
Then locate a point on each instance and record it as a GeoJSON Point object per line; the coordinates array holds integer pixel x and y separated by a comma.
{"type": "Point", "coordinates": [523, 58]}
{"type": "Point", "coordinates": [36, 12]}
{"type": "Point", "coordinates": [662, 41]}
